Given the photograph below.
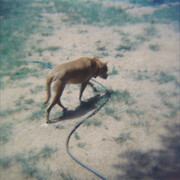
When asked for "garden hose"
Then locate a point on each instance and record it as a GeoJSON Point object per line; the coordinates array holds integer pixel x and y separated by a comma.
{"type": "Point", "coordinates": [107, 95]}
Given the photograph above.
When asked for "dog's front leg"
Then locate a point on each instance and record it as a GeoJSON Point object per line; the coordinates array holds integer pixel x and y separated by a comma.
{"type": "Point", "coordinates": [60, 104]}
{"type": "Point", "coordinates": [83, 86]}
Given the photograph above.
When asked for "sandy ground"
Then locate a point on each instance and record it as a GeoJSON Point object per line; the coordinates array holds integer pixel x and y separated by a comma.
{"type": "Point", "coordinates": [148, 145]}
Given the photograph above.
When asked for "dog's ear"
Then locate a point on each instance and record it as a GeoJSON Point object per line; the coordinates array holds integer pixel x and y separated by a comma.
{"type": "Point", "coordinates": [100, 62]}
{"type": "Point", "coordinates": [95, 59]}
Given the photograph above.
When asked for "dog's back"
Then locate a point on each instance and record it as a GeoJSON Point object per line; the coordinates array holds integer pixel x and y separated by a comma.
{"type": "Point", "coordinates": [77, 71]}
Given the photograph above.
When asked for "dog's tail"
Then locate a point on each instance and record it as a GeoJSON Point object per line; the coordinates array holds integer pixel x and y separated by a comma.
{"type": "Point", "coordinates": [48, 84]}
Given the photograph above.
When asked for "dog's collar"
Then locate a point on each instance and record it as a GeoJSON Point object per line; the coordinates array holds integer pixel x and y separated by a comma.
{"type": "Point", "coordinates": [98, 67]}
{"type": "Point", "coordinates": [97, 73]}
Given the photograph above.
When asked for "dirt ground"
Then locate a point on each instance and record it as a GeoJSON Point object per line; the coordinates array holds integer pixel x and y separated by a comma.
{"type": "Point", "coordinates": [134, 137]}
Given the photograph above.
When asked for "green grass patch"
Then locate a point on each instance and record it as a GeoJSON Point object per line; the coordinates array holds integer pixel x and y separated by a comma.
{"type": "Point", "coordinates": [101, 48]}
{"type": "Point", "coordinates": [29, 166]}
{"type": "Point", "coordinates": [113, 112]}
{"type": "Point", "coordinates": [172, 107]}
{"type": "Point", "coordinates": [68, 176]}
{"type": "Point", "coordinates": [29, 162]}
{"type": "Point", "coordinates": [168, 104]}
{"type": "Point", "coordinates": [5, 161]}
{"type": "Point", "coordinates": [37, 89]}
{"type": "Point", "coordinates": [59, 126]}
{"type": "Point", "coordinates": [53, 48]}
{"type": "Point", "coordinates": [46, 31]}
{"type": "Point", "coordinates": [46, 152]}
{"type": "Point", "coordinates": [123, 137]}
{"type": "Point", "coordinates": [19, 20]}
{"type": "Point", "coordinates": [140, 75]}
{"type": "Point", "coordinates": [127, 45]}
{"type": "Point", "coordinates": [7, 112]}
{"type": "Point", "coordinates": [135, 112]}
{"type": "Point", "coordinates": [22, 101]}
{"type": "Point", "coordinates": [123, 96]}
{"type": "Point", "coordinates": [23, 104]}
{"type": "Point", "coordinates": [105, 54]}
{"type": "Point", "coordinates": [76, 135]}
{"type": "Point", "coordinates": [82, 31]}
{"type": "Point", "coordinates": [109, 110]}
{"type": "Point", "coordinates": [41, 50]}
{"type": "Point", "coordinates": [146, 2]}
{"type": "Point", "coordinates": [22, 73]}
{"type": "Point", "coordinates": [136, 122]}
{"type": "Point", "coordinates": [36, 114]}
{"type": "Point", "coordinates": [5, 132]}
{"type": "Point", "coordinates": [164, 15]}
{"type": "Point", "coordinates": [140, 123]}
{"type": "Point", "coordinates": [113, 72]}
{"type": "Point", "coordinates": [148, 33]}
{"type": "Point", "coordinates": [81, 144]}
{"type": "Point", "coordinates": [169, 13]}
{"type": "Point", "coordinates": [172, 110]}
{"type": "Point", "coordinates": [160, 77]}
{"type": "Point", "coordinates": [80, 12]}
{"type": "Point", "coordinates": [165, 78]}
{"type": "Point", "coordinates": [154, 47]}
{"type": "Point", "coordinates": [94, 122]}
{"type": "Point", "coordinates": [119, 55]}
{"type": "Point", "coordinates": [2, 83]}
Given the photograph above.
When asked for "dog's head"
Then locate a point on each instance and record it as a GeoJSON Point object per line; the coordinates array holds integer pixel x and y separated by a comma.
{"type": "Point", "coordinates": [102, 69]}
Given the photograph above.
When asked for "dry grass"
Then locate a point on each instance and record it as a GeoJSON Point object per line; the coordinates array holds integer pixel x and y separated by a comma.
{"type": "Point", "coordinates": [134, 133]}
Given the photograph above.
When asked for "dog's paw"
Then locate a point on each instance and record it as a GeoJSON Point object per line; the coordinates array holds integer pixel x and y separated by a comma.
{"type": "Point", "coordinates": [44, 125]}
{"type": "Point", "coordinates": [65, 109]}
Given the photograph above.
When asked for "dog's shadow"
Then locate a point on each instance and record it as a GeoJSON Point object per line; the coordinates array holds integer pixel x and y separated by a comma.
{"type": "Point", "coordinates": [81, 110]}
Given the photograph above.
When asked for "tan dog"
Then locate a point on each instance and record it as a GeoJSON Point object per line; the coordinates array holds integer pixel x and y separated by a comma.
{"type": "Point", "coordinates": [73, 72]}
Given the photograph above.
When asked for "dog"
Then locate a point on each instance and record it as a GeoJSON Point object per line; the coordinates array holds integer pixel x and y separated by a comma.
{"type": "Point", "coordinates": [79, 71]}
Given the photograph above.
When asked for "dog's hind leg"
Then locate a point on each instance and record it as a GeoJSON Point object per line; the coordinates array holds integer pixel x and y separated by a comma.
{"type": "Point", "coordinates": [58, 88]}
{"type": "Point", "coordinates": [48, 84]}
{"type": "Point", "coordinates": [54, 102]}
{"type": "Point", "coordinates": [83, 86]}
